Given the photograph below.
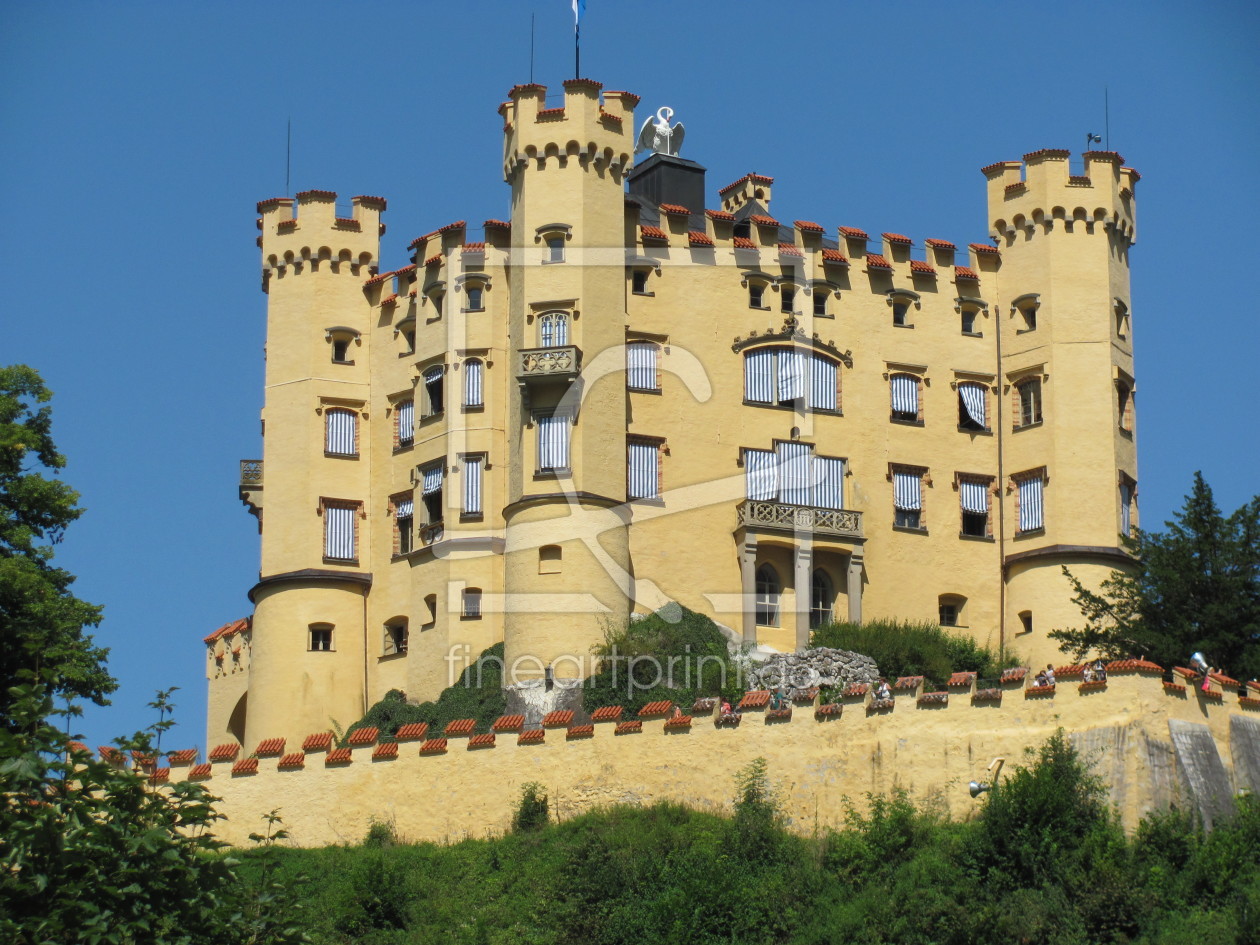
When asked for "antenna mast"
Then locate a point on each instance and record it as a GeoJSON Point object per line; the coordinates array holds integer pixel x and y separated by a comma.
{"type": "Point", "coordinates": [288, 156]}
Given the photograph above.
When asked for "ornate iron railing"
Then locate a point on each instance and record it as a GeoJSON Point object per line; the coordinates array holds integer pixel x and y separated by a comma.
{"type": "Point", "coordinates": [251, 473]}
{"type": "Point", "coordinates": [556, 363]}
{"type": "Point", "coordinates": [780, 516]}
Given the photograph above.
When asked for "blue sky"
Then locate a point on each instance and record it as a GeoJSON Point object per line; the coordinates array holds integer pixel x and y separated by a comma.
{"type": "Point", "coordinates": [137, 137]}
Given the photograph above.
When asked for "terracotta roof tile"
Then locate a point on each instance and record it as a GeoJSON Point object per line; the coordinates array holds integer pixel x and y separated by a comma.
{"type": "Point", "coordinates": [779, 715]}
{"type": "Point", "coordinates": [411, 732]}
{"type": "Point", "coordinates": [457, 225]}
{"type": "Point", "coordinates": [987, 695]}
{"type": "Point", "coordinates": [1126, 666]}
{"type": "Point", "coordinates": [558, 717]}
{"type": "Point", "coordinates": [730, 719]}
{"type": "Point", "coordinates": [319, 741]}
{"type": "Point", "coordinates": [809, 226]}
{"type": "Point", "coordinates": [933, 698]}
{"type": "Point", "coordinates": [660, 707]}
{"type": "Point", "coordinates": [434, 746]}
{"type": "Point", "coordinates": [1112, 156]}
{"type": "Point", "coordinates": [675, 209]}
{"type": "Point", "coordinates": [225, 752]}
{"type": "Point", "coordinates": [1014, 674]}
{"type": "Point", "coordinates": [1174, 688]}
{"type": "Point", "coordinates": [653, 233]}
{"type": "Point", "coordinates": [1047, 152]}
{"type": "Point", "coordinates": [835, 257]}
{"type": "Point", "coordinates": [508, 723]}
{"type": "Point", "coordinates": [678, 721]}
{"type": "Point", "coordinates": [1016, 187]}
{"type": "Point", "coordinates": [754, 178]}
{"type": "Point", "coordinates": [755, 699]}
{"type": "Point", "coordinates": [533, 736]}
{"type": "Point", "coordinates": [389, 300]}
{"type": "Point", "coordinates": [856, 689]}
{"type": "Point", "coordinates": [962, 679]}
{"type": "Point", "coordinates": [319, 194]}
{"type": "Point", "coordinates": [1247, 702]}
{"type": "Point", "coordinates": [898, 239]}
{"type": "Point", "coordinates": [79, 746]}
{"type": "Point", "coordinates": [720, 215]}
{"type": "Point", "coordinates": [879, 705]}
{"type": "Point", "coordinates": [379, 277]}
{"type": "Point", "coordinates": [287, 225]}
{"type": "Point", "coordinates": [385, 751]}
{"type": "Point", "coordinates": [501, 224]}
{"type": "Point", "coordinates": [271, 202]}
{"type": "Point", "coordinates": [1033, 691]}
{"type": "Point", "coordinates": [704, 705]}
{"type": "Point", "coordinates": [876, 261]}
{"type": "Point", "coordinates": [185, 757]}
{"type": "Point", "coordinates": [853, 233]}
{"type": "Point", "coordinates": [984, 248]}
{"type": "Point", "coordinates": [474, 247]}
{"type": "Point", "coordinates": [160, 776]}
{"type": "Point", "coordinates": [927, 269]}
{"type": "Point", "coordinates": [1254, 684]}
{"type": "Point", "coordinates": [699, 238]}
{"type": "Point", "coordinates": [1092, 685]}
{"type": "Point", "coordinates": [363, 736]}
{"type": "Point", "coordinates": [339, 756]}
{"type": "Point", "coordinates": [296, 759]}
{"type": "Point", "coordinates": [142, 760]}
{"type": "Point", "coordinates": [460, 727]}
{"type": "Point", "coordinates": [790, 249]}
{"type": "Point", "coordinates": [743, 242]}
{"type": "Point", "coordinates": [270, 746]}
{"type": "Point", "coordinates": [1227, 681]}
{"type": "Point", "coordinates": [628, 728]}
{"type": "Point", "coordinates": [484, 740]}
{"type": "Point", "coordinates": [608, 713]}
{"type": "Point", "coordinates": [581, 731]}
{"type": "Point", "coordinates": [965, 272]}
{"type": "Point", "coordinates": [199, 772]}
{"type": "Point", "coordinates": [235, 626]}
{"type": "Point", "coordinates": [908, 682]}
{"type": "Point", "coordinates": [1185, 672]}
{"type": "Point", "coordinates": [433, 260]}
{"type": "Point", "coordinates": [417, 241]}
{"type": "Point", "coordinates": [367, 199]}
{"type": "Point", "coordinates": [245, 766]}
{"type": "Point", "coordinates": [1080, 180]}
{"type": "Point", "coordinates": [803, 696]}
{"type": "Point", "coordinates": [762, 220]}
{"type": "Point", "coordinates": [941, 244]}
{"type": "Point", "coordinates": [1212, 695]}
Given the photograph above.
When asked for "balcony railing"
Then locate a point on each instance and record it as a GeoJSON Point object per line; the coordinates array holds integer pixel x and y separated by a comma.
{"type": "Point", "coordinates": [562, 363]}
{"type": "Point", "coordinates": [251, 473]}
{"type": "Point", "coordinates": [780, 516]}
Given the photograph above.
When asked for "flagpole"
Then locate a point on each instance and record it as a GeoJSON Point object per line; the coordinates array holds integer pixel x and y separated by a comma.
{"type": "Point", "coordinates": [577, 50]}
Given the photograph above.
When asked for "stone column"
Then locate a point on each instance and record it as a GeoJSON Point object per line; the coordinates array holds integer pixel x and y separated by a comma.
{"type": "Point", "coordinates": [803, 561]}
{"type": "Point", "coordinates": [748, 588]}
{"type": "Point", "coordinates": [855, 588]}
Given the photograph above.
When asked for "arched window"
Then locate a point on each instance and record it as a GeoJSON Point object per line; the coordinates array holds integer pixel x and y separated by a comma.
{"type": "Point", "coordinates": [549, 558]}
{"type": "Point", "coordinates": [789, 376]}
{"type": "Point", "coordinates": [553, 330]}
{"type": "Point", "coordinates": [768, 588]}
{"type": "Point", "coordinates": [822, 598]}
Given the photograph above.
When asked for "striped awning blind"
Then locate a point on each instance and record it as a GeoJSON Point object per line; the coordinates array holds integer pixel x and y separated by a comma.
{"type": "Point", "coordinates": [433, 479]}
{"type": "Point", "coordinates": [472, 486]}
{"type": "Point", "coordinates": [791, 374]}
{"type": "Point", "coordinates": [973, 401]}
{"type": "Point", "coordinates": [472, 383]}
{"type": "Point", "coordinates": [642, 473]}
{"type": "Point", "coordinates": [404, 508]}
{"type": "Point", "coordinates": [828, 482]}
{"type": "Point", "coordinates": [641, 365]}
{"type": "Point", "coordinates": [406, 421]}
{"type": "Point", "coordinates": [339, 431]}
{"type": "Point", "coordinates": [339, 533]}
{"type": "Point", "coordinates": [822, 383]}
{"type": "Point", "coordinates": [905, 393]}
{"type": "Point", "coordinates": [553, 441]}
{"type": "Point", "coordinates": [1031, 512]}
{"type": "Point", "coordinates": [758, 376]}
{"type": "Point", "coordinates": [1126, 512]}
{"type": "Point", "coordinates": [974, 496]}
{"type": "Point", "coordinates": [906, 491]}
{"type": "Point", "coordinates": [760, 474]}
{"type": "Point", "coordinates": [794, 473]}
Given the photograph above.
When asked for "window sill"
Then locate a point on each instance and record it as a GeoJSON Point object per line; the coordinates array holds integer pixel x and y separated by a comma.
{"type": "Point", "coordinates": [1024, 331]}
{"type": "Point", "coordinates": [431, 417]}
{"type": "Point", "coordinates": [407, 354]}
{"type": "Point", "coordinates": [329, 650]}
{"type": "Point", "coordinates": [895, 325]}
{"type": "Point", "coordinates": [905, 423]}
{"type": "Point", "coordinates": [390, 657]}
{"type": "Point", "coordinates": [343, 362]}
{"type": "Point", "coordinates": [1031, 533]}
{"type": "Point", "coordinates": [471, 516]}
{"type": "Point", "coordinates": [470, 616]}
{"type": "Point", "coordinates": [401, 555]}
{"type": "Point", "coordinates": [1127, 434]}
{"type": "Point", "coordinates": [1028, 426]}
{"type": "Point", "coordinates": [760, 308]}
{"type": "Point", "coordinates": [346, 562]}
{"type": "Point", "coordinates": [921, 530]}
{"type": "Point", "coordinates": [465, 311]}
{"type": "Point", "coordinates": [976, 430]}
{"type": "Point", "coordinates": [963, 536]}
{"type": "Point", "coordinates": [656, 500]}
{"type": "Point", "coordinates": [403, 447]}
{"type": "Point", "coordinates": [553, 262]}
{"type": "Point", "coordinates": [563, 473]}
{"type": "Point", "coordinates": [473, 408]}
{"type": "Point", "coordinates": [973, 334]}
{"type": "Point", "coordinates": [645, 295]}
{"type": "Point", "coordinates": [644, 390]}
{"type": "Point", "coordinates": [328, 455]}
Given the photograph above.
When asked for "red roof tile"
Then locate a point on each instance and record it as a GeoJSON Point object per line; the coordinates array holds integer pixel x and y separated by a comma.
{"type": "Point", "coordinates": [965, 272]}
{"type": "Point", "coordinates": [363, 736]}
{"type": "Point", "coordinates": [941, 244]}
{"type": "Point", "coordinates": [762, 220]}
{"type": "Point", "coordinates": [653, 233]}
{"type": "Point", "coordinates": [1047, 152]}
{"type": "Point", "coordinates": [1080, 180]}
{"type": "Point", "coordinates": [79, 746]}
{"type": "Point", "coordinates": [674, 208]}
{"type": "Point", "coordinates": [908, 682]}
{"type": "Point", "coordinates": [1076, 669]}
{"type": "Point", "coordinates": [933, 698]}
{"type": "Point", "coordinates": [389, 300]}
{"type": "Point", "coordinates": [1185, 672]}
{"type": "Point", "coordinates": [987, 695]}
{"type": "Point", "coordinates": [379, 277]}
{"type": "Point", "coordinates": [142, 760]}
{"type": "Point", "coordinates": [318, 194]}
{"type": "Point", "coordinates": [271, 202]}
{"type": "Point", "coordinates": [923, 268]}
{"type": "Point", "coordinates": [1247, 702]}
{"type": "Point", "coordinates": [722, 215]}
{"type": "Point", "coordinates": [755, 699]}
{"type": "Point", "coordinates": [460, 727]}
{"type": "Point", "coordinates": [1015, 187]}
{"type": "Point", "coordinates": [628, 728]}
{"type": "Point", "coordinates": [856, 689]}
{"type": "Point", "coordinates": [417, 241]}
{"type": "Point", "coordinates": [803, 696]}
{"type": "Point", "coordinates": [698, 238]}
{"type": "Point", "coordinates": [502, 224]}
{"type": "Point", "coordinates": [876, 261]}
{"type": "Point", "coordinates": [1124, 666]}
{"type": "Point", "coordinates": [581, 731]}
{"type": "Point", "coordinates": [1014, 674]}
{"type": "Point", "coordinates": [457, 225]}
{"type": "Point", "coordinates": [319, 741]}
{"type": "Point", "coordinates": [1112, 156]}
{"type": "Point", "coordinates": [534, 736]}
{"type": "Point", "coordinates": [1039, 691]}
{"type": "Point", "coordinates": [743, 242]}
{"type": "Point", "coordinates": [790, 249]}
{"type": "Point", "coordinates": [225, 752]}
{"type": "Point", "coordinates": [898, 238]}
{"type": "Point", "coordinates": [338, 756]}
{"type": "Point", "coordinates": [369, 200]}
{"type": "Point", "coordinates": [270, 746]}
{"type": "Point", "coordinates": [754, 178]}
{"type": "Point", "coordinates": [484, 740]}
{"type": "Point", "coordinates": [1254, 684]}
{"type": "Point", "coordinates": [474, 247]}
{"type": "Point", "coordinates": [558, 717]}
{"type": "Point", "coordinates": [1225, 680]}
{"type": "Point", "coordinates": [160, 776]}
{"type": "Point", "coordinates": [508, 723]}
{"type": "Point", "coordinates": [608, 713]}
{"type": "Point", "coordinates": [235, 626]}
{"type": "Point", "coordinates": [433, 260]}
{"type": "Point", "coordinates": [852, 232]}
{"type": "Point", "coordinates": [245, 766]}
{"type": "Point", "coordinates": [412, 732]}
{"type": "Point", "coordinates": [385, 751]}
{"type": "Point", "coordinates": [199, 772]}
{"type": "Point", "coordinates": [185, 757]}
{"type": "Point", "coordinates": [962, 679]}
{"type": "Point", "coordinates": [809, 225]}
{"type": "Point", "coordinates": [660, 707]}
{"type": "Point", "coordinates": [835, 257]}
{"type": "Point", "coordinates": [433, 746]}
{"type": "Point", "coordinates": [295, 759]}
{"type": "Point", "coordinates": [984, 248]}
{"type": "Point", "coordinates": [678, 721]}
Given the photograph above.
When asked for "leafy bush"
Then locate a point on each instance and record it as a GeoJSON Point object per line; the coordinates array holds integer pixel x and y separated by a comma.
{"type": "Point", "coordinates": [533, 811]}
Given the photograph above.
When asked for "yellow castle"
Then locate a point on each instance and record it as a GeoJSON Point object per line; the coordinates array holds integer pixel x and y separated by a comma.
{"type": "Point", "coordinates": [617, 398]}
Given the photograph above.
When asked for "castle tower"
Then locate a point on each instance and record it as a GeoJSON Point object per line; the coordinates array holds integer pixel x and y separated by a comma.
{"type": "Point", "coordinates": [567, 564]}
{"type": "Point", "coordinates": [1069, 454]}
{"type": "Point", "coordinates": [307, 659]}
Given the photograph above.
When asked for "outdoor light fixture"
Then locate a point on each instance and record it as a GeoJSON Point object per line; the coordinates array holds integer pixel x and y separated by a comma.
{"type": "Point", "coordinates": [976, 788]}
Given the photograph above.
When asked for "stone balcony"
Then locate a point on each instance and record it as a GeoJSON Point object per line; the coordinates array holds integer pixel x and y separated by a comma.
{"type": "Point", "coordinates": [549, 364]}
{"type": "Point", "coordinates": [766, 515]}
{"type": "Point", "coordinates": [251, 485]}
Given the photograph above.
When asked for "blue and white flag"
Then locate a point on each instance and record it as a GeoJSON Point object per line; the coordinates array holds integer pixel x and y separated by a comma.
{"type": "Point", "coordinates": [579, 7]}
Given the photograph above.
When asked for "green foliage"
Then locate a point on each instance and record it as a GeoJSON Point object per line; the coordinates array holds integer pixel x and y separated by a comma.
{"type": "Point", "coordinates": [533, 812]}
{"type": "Point", "coordinates": [381, 833]}
{"type": "Point", "coordinates": [41, 622]}
{"type": "Point", "coordinates": [1194, 587]}
{"type": "Point", "coordinates": [903, 648]}
{"type": "Point", "coordinates": [675, 654]}
{"type": "Point", "coordinates": [477, 695]}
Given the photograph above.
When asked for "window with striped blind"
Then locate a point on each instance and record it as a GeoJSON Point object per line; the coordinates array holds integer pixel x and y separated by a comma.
{"type": "Point", "coordinates": [340, 529]}
{"type": "Point", "coordinates": [341, 432]}
{"type": "Point", "coordinates": [908, 497]}
{"type": "Point", "coordinates": [973, 500]}
{"type": "Point", "coordinates": [553, 441]}
{"type": "Point", "coordinates": [433, 390]}
{"type": "Point", "coordinates": [404, 423]}
{"type": "Point", "coordinates": [788, 376]}
{"type": "Point", "coordinates": [404, 523]}
{"type": "Point", "coordinates": [1030, 498]}
{"type": "Point", "coordinates": [474, 370]}
{"type": "Point", "coordinates": [641, 365]}
{"type": "Point", "coordinates": [643, 468]}
{"type": "Point", "coordinates": [972, 406]}
{"type": "Point", "coordinates": [432, 478]}
{"type": "Point", "coordinates": [473, 468]}
{"type": "Point", "coordinates": [794, 475]}
{"type": "Point", "coordinates": [905, 397]}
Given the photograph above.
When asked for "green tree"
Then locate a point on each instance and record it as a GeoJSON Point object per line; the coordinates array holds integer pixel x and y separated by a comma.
{"type": "Point", "coordinates": [1193, 587]}
{"type": "Point", "coordinates": [41, 621]}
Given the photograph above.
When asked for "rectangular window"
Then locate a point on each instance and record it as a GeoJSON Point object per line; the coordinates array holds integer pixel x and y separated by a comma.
{"type": "Point", "coordinates": [908, 499]}
{"type": "Point", "coordinates": [756, 293]}
{"type": "Point", "coordinates": [340, 432]}
{"type": "Point", "coordinates": [472, 603]}
{"type": "Point", "coordinates": [404, 524]}
{"type": "Point", "coordinates": [433, 391]}
{"type": "Point", "coordinates": [905, 397]}
{"type": "Point", "coordinates": [820, 303]}
{"type": "Point", "coordinates": [787, 376]}
{"type": "Point", "coordinates": [1028, 402]}
{"type": "Point", "coordinates": [973, 497]}
{"type": "Point", "coordinates": [824, 384]}
{"type": "Point", "coordinates": [395, 638]}
{"type": "Point", "coordinates": [643, 472]}
{"type": "Point", "coordinates": [473, 371]}
{"type": "Point", "coordinates": [828, 476]}
{"type": "Point", "coordinates": [792, 474]}
{"type": "Point", "coordinates": [759, 376]}
{"type": "Point", "coordinates": [638, 281]}
{"type": "Point", "coordinates": [641, 365]}
{"type": "Point", "coordinates": [406, 422]}
{"type": "Point", "coordinates": [788, 300]}
{"type": "Point", "coordinates": [761, 475]}
{"type": "Point", "coordinates": [472, 485]}
{"type": "Point", "coordinates": [431, 481]}
{"type": "Point", "coordinates": [553, 442]}
{"type": "Point", "coordinates": [1128, 490]}
{"type": "Point", "coordinates": [972, 406]}
{"type": "Point", "coordinates": [1031, 510]}
{"type": "Point", "coordinates": [474, 298]}
{"type": "Point", "coordinates": [321, 639]}
{"type": "Point", "coordinates": [339, 530]}
{"type": "Point", "coordinates": [791, 374]}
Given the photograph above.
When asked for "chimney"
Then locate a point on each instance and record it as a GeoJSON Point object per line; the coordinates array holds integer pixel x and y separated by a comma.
{"type": "Point", "coordinates": [665, 178]}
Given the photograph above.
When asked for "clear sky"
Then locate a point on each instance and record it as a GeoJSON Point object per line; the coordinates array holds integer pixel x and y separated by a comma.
{"type": "Point", "coordinates": [135, 139]}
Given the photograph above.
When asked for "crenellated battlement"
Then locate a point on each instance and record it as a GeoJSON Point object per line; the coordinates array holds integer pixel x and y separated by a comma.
{"type": "Point", "coordinates": [594, 128]}
{"type": "Point", "coordinates": [1041, 193]}
{"type": "Point", "coordinates": [306, 230]}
